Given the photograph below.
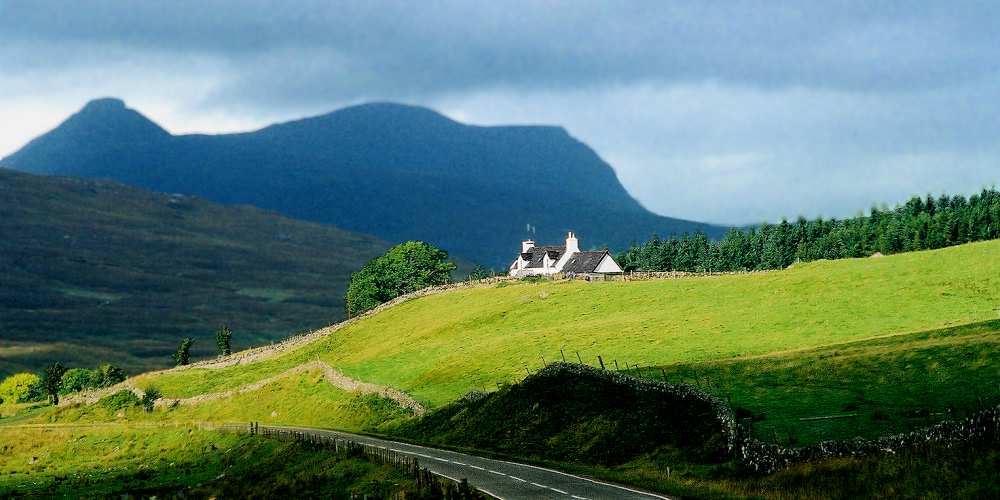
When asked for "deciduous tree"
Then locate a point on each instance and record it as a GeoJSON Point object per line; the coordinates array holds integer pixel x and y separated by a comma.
{"type": "Point", "coordinates": [406, 268]}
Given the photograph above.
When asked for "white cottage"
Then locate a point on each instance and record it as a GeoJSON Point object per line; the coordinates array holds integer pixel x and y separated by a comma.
{"type": "Point", "coordinates": [549, 260]}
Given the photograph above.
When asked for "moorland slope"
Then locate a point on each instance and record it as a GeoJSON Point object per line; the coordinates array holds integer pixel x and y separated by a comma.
{"type": "Point", "coordinates": [95, 271]}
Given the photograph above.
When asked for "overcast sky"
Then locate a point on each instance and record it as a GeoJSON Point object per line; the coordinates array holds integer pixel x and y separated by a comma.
{"type": "Point", "coordinates": [726, 112]}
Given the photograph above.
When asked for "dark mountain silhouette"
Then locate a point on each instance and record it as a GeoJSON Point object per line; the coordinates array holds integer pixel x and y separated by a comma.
{"type": "Point", "coordinates": [397, 172]}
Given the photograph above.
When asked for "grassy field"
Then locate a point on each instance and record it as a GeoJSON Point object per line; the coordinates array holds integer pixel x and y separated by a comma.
{"type": "Point", "coordinates": [877, 387]}
{"type": "Point", "coordinates": [179, 461]}
{"type": "Point", "coordinates": [299, 399]}
{"type": "Point", "coordinates": [892, 344]}
{"type": "Point", "coordinates": [440, 346]}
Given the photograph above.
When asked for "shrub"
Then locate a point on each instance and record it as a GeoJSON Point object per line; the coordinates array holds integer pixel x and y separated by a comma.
{"type": "Point", "coordinates": [222, 338]}
{"type": "Point", "coordinates": [152, 393]}
{"type": "Point", "coordinates": [108, 375]}
{"type": "Point", "coordinates": [119, 400]}
{"type": "Point", "coordinates": [479, 273]}
{"type": "Point", "coordinates": [35, 394]}
{"type": "Point", "coordinates": [18, 387]}
{"type": "Point", "coordinates": [78, 379]}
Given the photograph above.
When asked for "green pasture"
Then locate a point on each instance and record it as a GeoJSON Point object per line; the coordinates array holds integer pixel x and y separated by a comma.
{"type": "Point", "coordinates": [178, 461]}
{"type": "Point", "coordinates": [298, 399]}
{"type": "Point", "coordinates": [439, 346]}
{"type": "Point", "coordinates": [48, 462]}
{"type": "Point", "coordinates": [867, 388]}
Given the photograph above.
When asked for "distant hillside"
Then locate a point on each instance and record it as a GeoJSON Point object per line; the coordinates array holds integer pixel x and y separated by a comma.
{"type": "Point", "coordinates": [97, 271]}
{"type": "Point", "coordinates": [393, 171]}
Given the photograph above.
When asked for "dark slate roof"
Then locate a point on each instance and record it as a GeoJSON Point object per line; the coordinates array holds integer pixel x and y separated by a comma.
{"type": "Point", "coordinates": [535, 255]}
{"type": "Point", "coordinates": [584, 262]}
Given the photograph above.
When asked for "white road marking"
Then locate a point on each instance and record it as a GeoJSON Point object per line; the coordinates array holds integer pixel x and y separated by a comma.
{"type": "Point", "coordinates": [579, 498]}
{"type": "Point", "coordinates": [645, 493]}
{"type": "Point", "coordinates": [495, 472]}
{"type": "Point", "coordinates": [518, 479]}
{"type": "Point", "coordinates": [458, 463]}
{"type": "Point", "coordinates": [540, 485]}
{"type": "Point", "coordinates": [490, 494]}
{"type": "Point", "coordinates": [440, 459]}
{"type": "Point", "coordinates": [559, 491]}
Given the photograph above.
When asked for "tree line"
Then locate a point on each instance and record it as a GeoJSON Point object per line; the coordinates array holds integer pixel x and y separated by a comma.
{"type": "Point", "coordinates": [919, 224]}
{"type": "Point", "coordinates": [57, 381]}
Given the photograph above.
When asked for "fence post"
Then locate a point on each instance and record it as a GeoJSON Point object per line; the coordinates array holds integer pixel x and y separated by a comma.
{"type": "Point", "coordinates": [601, 361]}
{"type": "Point", "coordinates": [619, 370]}
{"type": "Point", "coordinates": [563, 355]}
{"type": "Point", "coordinates": [578, 357]}
{"type": "Point", "coordinates": [544, 363]}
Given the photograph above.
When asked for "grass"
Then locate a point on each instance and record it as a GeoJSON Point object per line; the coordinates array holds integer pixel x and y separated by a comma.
{"type": "Point", "coordinates": [893, 384]}
{"type": "Point", "coordinates": [298, 399]}
{"type": "Point", "coordinates": [901, 341]}
{"type": "Point", "coordinates": [178, 462]}
{"type": "Point", "coordinates": [439, 346]}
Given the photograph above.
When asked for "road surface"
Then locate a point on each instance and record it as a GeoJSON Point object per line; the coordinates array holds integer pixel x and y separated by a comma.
{"type": "Point", "coordinates": [497, 478]}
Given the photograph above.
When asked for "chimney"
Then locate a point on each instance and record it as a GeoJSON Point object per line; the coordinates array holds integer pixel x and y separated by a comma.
{"type": "Point", "coordinates": [527, 245]}
{"type": "Point", "coordinates": [572, 244]}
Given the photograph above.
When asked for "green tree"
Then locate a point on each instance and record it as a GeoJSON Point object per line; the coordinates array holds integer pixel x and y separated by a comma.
{"type": "Point", "coordinates": [16, 387]}
{"type": "Point", "coordinates": [108, 375]}
{"type": "Point", "coordinates": [76, 380]}
{"type": "Point", "coordinates": [479, 273]}
{"type": "Point", "coordinates": [52, 382]}
{"type": "Point", "coordinates": [183, 354]}
{"type": "Point", "coordinates": [222, 340]}
{"type": "Point", "coordinates": [406, 268]}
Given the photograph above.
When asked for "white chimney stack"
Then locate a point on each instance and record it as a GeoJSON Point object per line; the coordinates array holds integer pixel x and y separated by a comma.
{"type": "Point", "coordinates": [527, 245]}
{"type": "Point", "coordinates": [572, 244]}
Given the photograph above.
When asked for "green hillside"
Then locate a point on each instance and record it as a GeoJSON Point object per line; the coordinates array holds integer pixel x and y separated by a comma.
{"type": "Point", "coordinates": [826, 350]}
{"type": "Point", "coordinates": [441, 345]}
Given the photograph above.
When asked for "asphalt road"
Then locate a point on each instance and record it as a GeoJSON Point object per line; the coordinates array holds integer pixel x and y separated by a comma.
{"type": "Point", "coordinates": [498, 478]}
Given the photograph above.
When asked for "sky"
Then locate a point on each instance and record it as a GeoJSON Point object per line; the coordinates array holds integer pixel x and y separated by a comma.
{"type": "Point", "coordinates": [729, 112]}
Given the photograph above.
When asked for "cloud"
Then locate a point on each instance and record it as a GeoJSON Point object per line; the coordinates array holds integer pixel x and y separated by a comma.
{"type": "Point", "coordinates": [732, 111]}
{"type": "Point", "coordinates": [737, 155]}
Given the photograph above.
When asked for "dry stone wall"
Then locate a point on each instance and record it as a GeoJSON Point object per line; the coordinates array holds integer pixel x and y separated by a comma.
{"type": "Point", "coordinates": [980, 428]}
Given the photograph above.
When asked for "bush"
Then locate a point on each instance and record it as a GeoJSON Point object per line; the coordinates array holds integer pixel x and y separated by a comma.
{"type": "Point", "coordinates": [479, 273]}
{"type": "Point", "coordinates": [35, 394]}
{"type": "Point", "coordinates": [222, 338]}
{"type": "Point", "coordinates": [108, 375]}
{"type": "Point", "coordinates": [18, 387]}
{"type": "Point", "coordinates": [77, 379]}
{"type": "Point", "coordinates": [119, 400]}
{"type": "Point", "coordinates": [152, 393]}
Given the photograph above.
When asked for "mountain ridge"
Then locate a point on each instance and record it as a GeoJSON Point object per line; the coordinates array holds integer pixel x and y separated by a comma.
{"type": "Point", "coordinates": [394, 171]}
